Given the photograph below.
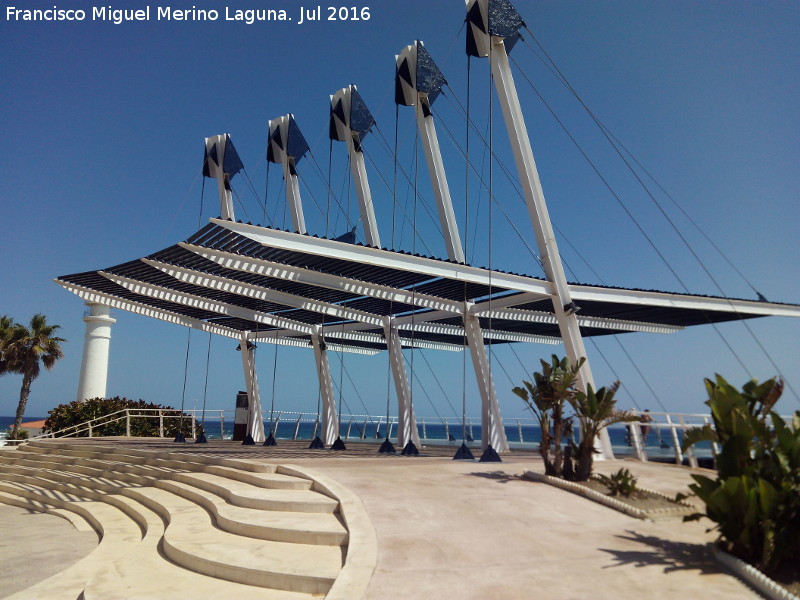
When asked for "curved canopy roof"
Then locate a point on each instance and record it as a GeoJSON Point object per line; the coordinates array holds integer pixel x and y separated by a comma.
{"type": "Point", "coordinates": [246, 281]}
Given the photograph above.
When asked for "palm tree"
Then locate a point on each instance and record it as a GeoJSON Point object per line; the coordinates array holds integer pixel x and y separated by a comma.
{"type": "Point", "coordinates": [595, 411]}
{"type": "Point", "coordinates": [6, 325]}
{"type": "Point", "coordinates": [24, 351]}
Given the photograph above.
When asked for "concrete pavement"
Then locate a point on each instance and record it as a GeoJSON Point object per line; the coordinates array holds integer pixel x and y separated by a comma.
{"type": "Point", "coordinates": [476, 530]}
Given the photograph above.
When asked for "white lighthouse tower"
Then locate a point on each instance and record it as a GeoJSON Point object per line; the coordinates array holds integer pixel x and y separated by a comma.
{"type": "Point", "coordinates": [94, 365]}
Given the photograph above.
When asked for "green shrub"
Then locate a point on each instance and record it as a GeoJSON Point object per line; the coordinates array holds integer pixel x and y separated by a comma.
{"type": "Point", "coordinates": [75, 413]}
{"type": "Point", "coordinates": [22, 434]}
{"type": "Point", "coordinates": [755, 498]}
{"type": "Point", "coordinates": [552, 391]}
{"type": "Point", "coordinates": [622, 483]}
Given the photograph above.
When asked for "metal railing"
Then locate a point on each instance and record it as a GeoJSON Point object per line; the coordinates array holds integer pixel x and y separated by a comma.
{"type": "Point", "coordinates": [673, 426]}
{"type": "Point", "coordinates": [521, 431]}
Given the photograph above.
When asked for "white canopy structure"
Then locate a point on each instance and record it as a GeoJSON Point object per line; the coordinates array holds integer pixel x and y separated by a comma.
{"type": "Point", "coordinates": [259, 284]}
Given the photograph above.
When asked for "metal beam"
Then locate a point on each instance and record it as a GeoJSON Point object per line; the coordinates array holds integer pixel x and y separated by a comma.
{"type": "Point", "coordinates": [216, 282]}
{"type": "Point", "coordinates": [386, 258]}
{"type": "Point", "coordinates": [140, 308]}
{"type": "Point", "coordinates": [334, 282]}
{"type": "Point", "coordinates": [685, 301]}
{"type": "Point", "coordinates": [535, 316]}
{"type": "Point", "coordinates": [455, 330]}
{"type": "Point", "coordinates": [203, 303]}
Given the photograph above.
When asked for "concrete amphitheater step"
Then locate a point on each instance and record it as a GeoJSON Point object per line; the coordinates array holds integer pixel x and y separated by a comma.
{"type": "Point", "coordinates": [145, 573]}
{"type": "Point", "coordinates": [291, 493]}
{"type": "Point", "coordinates": [247, 495]}
{"type": "Point", "coordinates": [119, 535]}
{"type": "Point", "coordinates": [277, 531]}
{"type": "Point", "coordinates": [322, 528]}
{"type": "Point", "coordinates": [191, 541]}
{"type": "Point", "coordinates": [280, 526]}
{"type": "Point", "coordinates": [257, 474]}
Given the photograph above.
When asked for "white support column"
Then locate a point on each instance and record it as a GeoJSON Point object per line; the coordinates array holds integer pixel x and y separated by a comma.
{"type": "Point", "coordinates": [279, 131]}
{"type": "Point", "coordinates": [540, 217]}
{"type": "Point", "coordinates": [366, 208]}
{"type": "Point", "coordinates": [492, 432]}
{"type": "Point", "coordinates": [344, 104]}
{"type": "Point", "coordinates": [293, 197]}
{"type": "Point", "coordinates": [94, 365]}
{"type": "Point", "coordinates": [419, 81]}
{"type": "Point", "coordinates": [433, 157]}
{"type": "Point", "coordinates": [255, 423]}
{"type": "Point", "coordinates": [330, 419]}
{"type": "Point", "coordinates": [406, 419]}
{"type": "Point", "coordinates": [216, 169]}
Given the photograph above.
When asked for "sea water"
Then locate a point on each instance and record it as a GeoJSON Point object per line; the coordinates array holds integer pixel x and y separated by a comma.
{"type": "Point", "coordinates": [659, 443]}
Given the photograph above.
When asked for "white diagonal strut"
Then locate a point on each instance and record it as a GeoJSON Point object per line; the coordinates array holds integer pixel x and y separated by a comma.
{"type": "Point", "coordinates": [289, 173]}
{"type": "Point", "coordinates": [537, 208]}
{"type": "Point", "coordinates": [255, 424]}
{"type": "Point", "coordinates": [492, 432]}
{"type": "Point", "coordinates": [330, 420]}
{"type": "Point", "coordinates": [433, 156]}
{"type": "Point", "coordinates": [406, 419]}
{"type": "Point", "coordinates": [357, 168]}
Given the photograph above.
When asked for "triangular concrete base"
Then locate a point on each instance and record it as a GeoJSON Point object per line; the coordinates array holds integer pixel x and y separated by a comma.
{"type": "Point", "coordinates": [201, 439]}
{"type": "Point", "coordinates": [248, 440]}
{"type": "Point", "coordinates": [410, 449]}
{"type": "Point", "coordinates": [338, 444]}
{"type": "Point", "coordinates": [489, 455]}
{"type": "Point", "coordinates": [316, 444]}
{"type": "Point", "coordinates": [180, 438]}
{"type": "Point", "coordinates": [387, 447]}
{"type": "Point", "coordinates": [463, 453]}
{"type": "Point", "coordinates": [270, 441]}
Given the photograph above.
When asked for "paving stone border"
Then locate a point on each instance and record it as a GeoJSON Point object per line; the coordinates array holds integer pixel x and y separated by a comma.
{"type": "Point", "coordinates": [681, 508]}
{"type": "Point", "coordinates": [752, 576]}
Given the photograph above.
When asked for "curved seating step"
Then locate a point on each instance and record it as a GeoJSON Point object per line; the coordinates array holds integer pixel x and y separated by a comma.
{"type": "Point", "coordinates": [265, 476]}
{"type": "Point", "coordinates": [144, 573]}
{"type": "Point", "coordinates": [244, 494]}
{"type": "Point", "coordinates": [119, 535]}
{"type": "Point", "coordinates": [192, 541]}
{"type": "Point", "coordinates": [276, 531]}
{"type": "Point", "coordinates": [77, 521]}
{"type": "Point", "coordinates": [285, 526]}
{"type": "Point", "coordinates": [292, 493]}
{"type": "Point", "coordinates": [280, 526]}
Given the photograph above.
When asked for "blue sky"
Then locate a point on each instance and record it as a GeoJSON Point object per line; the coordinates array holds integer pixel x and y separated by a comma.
{"type": "Point", "coordinates": [104, 126]}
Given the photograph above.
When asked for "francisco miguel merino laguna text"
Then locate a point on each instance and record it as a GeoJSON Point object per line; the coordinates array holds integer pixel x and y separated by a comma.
{"type": "Point", "coordinates": [167, 13]}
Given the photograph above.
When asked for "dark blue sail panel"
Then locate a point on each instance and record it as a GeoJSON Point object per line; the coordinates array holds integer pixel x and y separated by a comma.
{"type": "Point", "coordinates": [402, 74]}
{"type": "Point", "coordinates": [504, 20]}
{"type": "Point", "coordinates": [348, 237]}
{"type": "Point", "coordinates": [274, 138]}
{"type": "Point", "coordinates": [429, 78]}
{"type": "Point", "coordinates": [296, 145]}
{"type": "Point", "coordinates": [207, 156]}
{"type": "Point", "coordinates": [231, 163]}
{"type": "Point", "coordinates": [337, 113]}
{"type": "Point", "coordinates": [361, 119]}
{"type": "Point", "coordinates": [474, 19]}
